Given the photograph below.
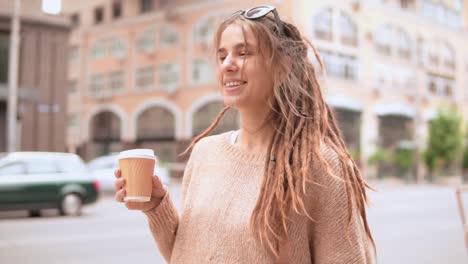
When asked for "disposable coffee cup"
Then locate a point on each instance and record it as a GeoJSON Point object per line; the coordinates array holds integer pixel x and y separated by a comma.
{"type": "Point", "coordinates": [137, 167]}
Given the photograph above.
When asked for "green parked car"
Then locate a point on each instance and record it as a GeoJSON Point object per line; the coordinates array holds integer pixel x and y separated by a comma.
{"type": "Point", "coordinates": [43, 180]}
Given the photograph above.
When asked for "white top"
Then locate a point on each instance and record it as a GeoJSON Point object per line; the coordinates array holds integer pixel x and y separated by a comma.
{"type": "Point", "coordinates": [137, 153]}
{"type": "Point", "coordinates": [234, 136]}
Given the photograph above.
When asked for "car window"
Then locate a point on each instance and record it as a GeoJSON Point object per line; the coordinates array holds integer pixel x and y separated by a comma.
{"type": "Point", "coordinates": [104, 163]}
{"type": "Point", "coordinates": [36, 166]}
{"type": "Point", "coordinates": [12, 169]}
{"type": "Point", "coordinates": [71, 166]}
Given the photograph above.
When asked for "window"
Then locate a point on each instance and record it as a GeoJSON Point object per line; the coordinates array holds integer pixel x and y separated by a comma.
{"type": "Point", "coordinates": [117, 48]}
{"type": "Point", "coordinates": [204, 31]}
{"type": "Point", "coordinates": [4, 47]}
{"type": "Point", "coordinates": [340, 65]}
{"type": "Point", "coordinates": [116, 9]}
{"type": "Point", "coordinates": [98, 15]}
{"type": "Point", "coordinates": [146, 6]}
{"type": "Point", "coordinates": [447, 55]}
{"type": "Point", "coordinates": [383, 39]}
{"type": "Point", "coordinates": [146, 40]}
{"type": "Point", "coordinates": [169, 37]}
{"type": "Point", "coordinates": [72, 87]}
{"type": "Point", "coordinates": [98, 50]}
{"type": "Point", "coordinates": [164, 129]}
{"type": "Point", "coordinates": [403, 44]}
{"type": "Point", "coordinates": [39, 166]}
{"type": "Point", "coordinates": [391, 78]}
{"type": "Point", "coordinates": [449, 13]}
{"type": "Point", "coordinates": [348, 30]}
{"type": "Point", "coordinates": [323, 25]}
{"type": "Point", "coordinates": [201, 72]}
{"type": "Point", "coordinates": [96, 85]}
{"type": "Point", "coordinates": [71, 166]}
{"type": "Point", "coordinates": [117, 81]}
{"type": "Point", "coordinates": [439, 54]}
{"type": "Point", "coordinates": [206, 114]}
{"type": "Point", "coordinates": [12, 169]}
{"type": "Point", "coordinates": [440, 85]}
{"type": "Point", "coordinates": [163, 3]}
{"type": "Point", "coordinates": [168, 76]}
{"type": "Point", "coordinates": [145, 77]}
{"type": "Point", "coordinates": [75, 19]}
{"type": "Point", "coordinates": [73, 54]}
{"type": "Point", "coordinates": [407, 4]}
{"type": "Point", "coordinates": [73, 121]}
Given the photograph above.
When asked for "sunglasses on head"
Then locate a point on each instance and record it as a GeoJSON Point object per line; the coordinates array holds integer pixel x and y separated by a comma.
{"type": "Point", "coordinates": [259, 12]}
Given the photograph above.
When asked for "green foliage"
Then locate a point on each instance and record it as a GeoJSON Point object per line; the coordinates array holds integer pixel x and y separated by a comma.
{"type": "Point", "coordinates": [445, 139]}
{"type": "Point", "coordinates": [403, 159]}
{"type": "Point", "coordinates": [465, 158]}
{"type": "Point", "coordinates": [355, 154]}
{"type": "Point", "coordinates": [380, 155]}
{"type": "Point", "coordinates": [465, 152]}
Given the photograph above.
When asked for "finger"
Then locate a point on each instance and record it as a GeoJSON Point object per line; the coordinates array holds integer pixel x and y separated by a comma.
{"type": "Point", "coordinates": [135, 205]}
{"type": "Point", "coordinates": [120, 195]}
{"type": "Point", "coordinates": [119, 183]}
{"type": "Point", "coordinates": [158, 188]}
{"type": "Point", "coordinates": [117, 173]}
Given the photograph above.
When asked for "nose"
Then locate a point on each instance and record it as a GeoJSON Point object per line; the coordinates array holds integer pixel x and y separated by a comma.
{"type": "Point", "coordinates": [229, 64]}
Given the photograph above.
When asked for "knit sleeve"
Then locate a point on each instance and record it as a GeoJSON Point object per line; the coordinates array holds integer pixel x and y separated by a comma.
{"type": "Point", "coordinates": [164, 219]}
{"type": "Point", "coordinates": [332, 241]}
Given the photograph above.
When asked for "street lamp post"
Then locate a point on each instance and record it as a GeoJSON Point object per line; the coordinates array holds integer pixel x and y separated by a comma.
{"type": "Point", "coordinates": [13, 77]}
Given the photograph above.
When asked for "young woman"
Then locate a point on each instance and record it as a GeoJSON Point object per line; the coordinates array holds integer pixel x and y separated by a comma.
{"type": "Point", "coordinates": [282, 189]}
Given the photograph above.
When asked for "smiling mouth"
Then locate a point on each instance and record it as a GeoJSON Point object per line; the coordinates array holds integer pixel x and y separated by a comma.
{"type": "Point", "coordinates": [234, 84]}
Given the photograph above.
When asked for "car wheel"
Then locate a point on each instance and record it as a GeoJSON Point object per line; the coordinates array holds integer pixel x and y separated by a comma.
{"type": "Point", "coordinates": [34, 213]}
{"type": "Point", "coordinates": [71, 205]}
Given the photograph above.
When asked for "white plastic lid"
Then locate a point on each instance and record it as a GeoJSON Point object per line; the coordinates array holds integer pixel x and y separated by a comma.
{"type": "Point", "coordinates": [137, 153]}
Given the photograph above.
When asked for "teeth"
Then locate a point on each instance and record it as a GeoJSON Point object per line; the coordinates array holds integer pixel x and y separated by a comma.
{"type": "Point", "coordinates": [231, 84]}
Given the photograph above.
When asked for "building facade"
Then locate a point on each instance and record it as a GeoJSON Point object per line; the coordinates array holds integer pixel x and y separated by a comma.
{"type": "Point", "coordinates": [42, 78]}
{"type": "Point", "coordinates": [142, 73]}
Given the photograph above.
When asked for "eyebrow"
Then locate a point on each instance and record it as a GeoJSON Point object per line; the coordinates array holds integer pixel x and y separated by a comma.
{"type": "Point", "coordinates": [238, 46]}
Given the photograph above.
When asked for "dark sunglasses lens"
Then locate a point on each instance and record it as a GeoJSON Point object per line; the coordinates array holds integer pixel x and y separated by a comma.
{"type": "Point", "coordinates": [258, 12]}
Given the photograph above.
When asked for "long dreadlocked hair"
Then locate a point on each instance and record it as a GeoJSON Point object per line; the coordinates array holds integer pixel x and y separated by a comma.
{"type": "Point", "coordinates": [303, 120]}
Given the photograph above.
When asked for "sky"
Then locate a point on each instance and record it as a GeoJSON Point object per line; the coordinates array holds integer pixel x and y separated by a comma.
{"type": "Point", "coordinates": [51, 6]}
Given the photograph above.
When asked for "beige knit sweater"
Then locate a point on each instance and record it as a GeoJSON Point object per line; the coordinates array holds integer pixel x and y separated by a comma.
{"type": "Point", "coordinates": [220, 188]}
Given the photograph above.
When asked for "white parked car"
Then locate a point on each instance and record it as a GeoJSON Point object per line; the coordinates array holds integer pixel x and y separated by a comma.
{"type": "Point", "coordinates": [102, 168]}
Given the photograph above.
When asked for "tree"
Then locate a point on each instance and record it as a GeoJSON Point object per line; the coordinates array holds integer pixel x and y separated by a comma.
{"type": "Point", "coordinates": [445, 140]}
{"type": "Point", "coordinates": [465, 157]}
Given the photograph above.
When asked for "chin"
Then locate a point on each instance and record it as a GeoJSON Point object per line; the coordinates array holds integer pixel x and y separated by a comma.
{"type": "Point", "coordinates": [233, 101]}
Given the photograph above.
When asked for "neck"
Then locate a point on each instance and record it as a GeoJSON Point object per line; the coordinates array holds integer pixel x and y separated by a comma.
{"type": "Point", "coordinates": [256, 131]}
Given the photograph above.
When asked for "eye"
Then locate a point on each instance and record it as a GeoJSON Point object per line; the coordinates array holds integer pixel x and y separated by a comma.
{"type": "Point", "coordinates": [243, 53]}
{"type": "Point", "coordinates": [221, 58]}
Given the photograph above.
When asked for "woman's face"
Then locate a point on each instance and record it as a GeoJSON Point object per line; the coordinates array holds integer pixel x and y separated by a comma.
{"type": "Point", "coordinates": [246, 82]}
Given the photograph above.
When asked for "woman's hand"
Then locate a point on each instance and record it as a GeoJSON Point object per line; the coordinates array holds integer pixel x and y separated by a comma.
{"type": "Point", "coordinates": [157, 193]}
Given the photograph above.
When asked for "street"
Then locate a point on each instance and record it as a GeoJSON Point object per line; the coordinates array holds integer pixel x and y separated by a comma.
{"type": "Point", "coordinates": [411, 224]}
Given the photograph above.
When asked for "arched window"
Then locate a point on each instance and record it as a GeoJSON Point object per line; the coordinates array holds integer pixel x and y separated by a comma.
{"type": "Point", "coordinates": [206, 114]}
{"type": "Point", "coordinates": [383, 39]}
{"type": "Point", "coordinates": [105, 126]}
{"type": "Point", "coordinates": [156, 130]}
{"type": "Point", "coordinates": [348, 30]}
{"type": "Point", "coordinates": [327, 20]}
{"type": "Point", "coordinates": [156, 123]}
{"type": "Point", "coordinates": [323, 25]}
{"type": "Point", "coordinates": [403, 43]}
{"type": "Point", "coordinates": [393, 40]}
